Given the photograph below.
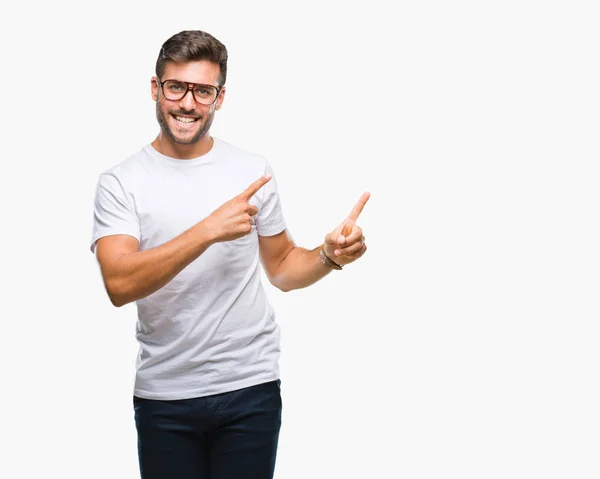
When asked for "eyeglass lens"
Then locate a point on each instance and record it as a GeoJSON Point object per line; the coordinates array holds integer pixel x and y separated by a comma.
{"type": "Point", "coordinates": [175, 90]}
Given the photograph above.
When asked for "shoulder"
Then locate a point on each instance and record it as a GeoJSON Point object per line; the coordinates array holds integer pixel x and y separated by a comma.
{"type": "Point", "coordinates": [127, 170]}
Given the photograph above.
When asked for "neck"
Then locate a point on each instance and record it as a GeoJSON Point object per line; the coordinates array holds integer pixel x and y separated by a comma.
{"type": "Point", "coordinates": [167, 147]}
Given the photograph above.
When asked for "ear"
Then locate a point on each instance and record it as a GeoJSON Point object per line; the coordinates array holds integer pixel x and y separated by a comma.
{"type": "Point", "coordinates": [220, 99]}
{"type": "Point", "coordinates": [154, 88]}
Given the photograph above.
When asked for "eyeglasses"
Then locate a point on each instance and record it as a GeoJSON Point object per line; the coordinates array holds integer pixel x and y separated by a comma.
{"type": "Point", "coordinates": [176, 90]}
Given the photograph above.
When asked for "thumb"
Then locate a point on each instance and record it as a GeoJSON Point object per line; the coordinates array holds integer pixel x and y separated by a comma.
{"type": "Point", "coordinates": [339, 234]}
{"type": "Point", "coordinates": [329, 239]}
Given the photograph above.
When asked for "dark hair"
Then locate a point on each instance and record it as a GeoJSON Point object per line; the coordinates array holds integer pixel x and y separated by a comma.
{"type": "Point", "coordinates": [192, 45]}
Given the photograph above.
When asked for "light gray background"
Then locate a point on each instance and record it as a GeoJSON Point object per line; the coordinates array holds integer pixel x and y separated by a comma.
{"type": "Point", "coordinates": [464, 344]}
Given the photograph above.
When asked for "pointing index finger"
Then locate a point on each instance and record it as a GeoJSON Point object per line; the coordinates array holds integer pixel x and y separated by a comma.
{"type": "Point", "coordinates": [358, 207]}
{"type": "Point", "coordinates": [254, 187]}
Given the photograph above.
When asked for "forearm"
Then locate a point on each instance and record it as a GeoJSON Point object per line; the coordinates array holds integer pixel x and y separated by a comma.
{"type": "Point", "coordinates": [299, 269]}
{"type": "Point", "coordinates": [137, 275]}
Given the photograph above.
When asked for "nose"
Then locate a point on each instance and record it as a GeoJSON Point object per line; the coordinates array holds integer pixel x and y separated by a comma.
{"type": "Point", "coordinates": [188, 102]}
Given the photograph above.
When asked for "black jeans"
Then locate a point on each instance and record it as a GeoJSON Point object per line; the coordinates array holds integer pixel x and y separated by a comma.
{"type": "Point", "coordinates": [231, 435]}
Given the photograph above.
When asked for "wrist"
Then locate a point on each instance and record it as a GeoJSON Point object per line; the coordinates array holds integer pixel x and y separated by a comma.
{"type": "Point", "coordinates": [206, 232]}
{"type": "Point", "coordinates": [326, 259]}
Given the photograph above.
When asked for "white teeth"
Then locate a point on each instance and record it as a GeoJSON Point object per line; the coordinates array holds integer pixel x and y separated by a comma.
{"type": "Point", "coordinates": [185, 120]}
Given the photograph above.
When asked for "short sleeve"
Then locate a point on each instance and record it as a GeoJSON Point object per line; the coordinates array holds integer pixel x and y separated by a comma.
{"type": "Point", "coordinates": [269, 219]}
{"type": "Point", "coordinates": [113, 213]}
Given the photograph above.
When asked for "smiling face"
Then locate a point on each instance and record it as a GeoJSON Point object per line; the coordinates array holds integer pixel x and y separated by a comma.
{"type": "Point", "coordinates": [186, 122]}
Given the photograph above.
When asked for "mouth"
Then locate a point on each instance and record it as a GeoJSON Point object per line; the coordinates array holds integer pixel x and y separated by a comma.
{"type": "Point", "coordinates": [185, 121]}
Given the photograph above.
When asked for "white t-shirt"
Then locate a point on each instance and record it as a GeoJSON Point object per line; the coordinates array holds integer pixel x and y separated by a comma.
{"type": "Point", "coordinates": [210, 329]}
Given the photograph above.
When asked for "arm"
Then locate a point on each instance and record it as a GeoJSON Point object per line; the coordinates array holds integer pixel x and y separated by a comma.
{"type": "Point", "coordinates": [130, 274]}
{"type": "Point", "coordinates": [290, 267]}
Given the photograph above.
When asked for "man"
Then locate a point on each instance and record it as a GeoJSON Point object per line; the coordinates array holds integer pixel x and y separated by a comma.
{"type": "Point", "coordinates": [179, 228]}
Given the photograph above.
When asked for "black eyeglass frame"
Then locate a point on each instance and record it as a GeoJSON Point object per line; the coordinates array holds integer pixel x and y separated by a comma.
{"type": "Point", "coordinates": [190, 86]}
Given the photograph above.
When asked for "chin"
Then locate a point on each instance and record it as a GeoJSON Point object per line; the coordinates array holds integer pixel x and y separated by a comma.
{"type": "Point", "coordinates": [189, 138]}
{"type": "Point", "coordinates": [185, 141]}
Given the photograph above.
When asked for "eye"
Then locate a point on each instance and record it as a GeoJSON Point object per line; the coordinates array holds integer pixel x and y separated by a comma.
{"type": "Point", "coordinates": [175, 87]}
{"type": "Point", "coordinates": [203, 91]}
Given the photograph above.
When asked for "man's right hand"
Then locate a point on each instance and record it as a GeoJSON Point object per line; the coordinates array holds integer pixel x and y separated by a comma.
{"type": "Point", "coordinates": [235, 218]}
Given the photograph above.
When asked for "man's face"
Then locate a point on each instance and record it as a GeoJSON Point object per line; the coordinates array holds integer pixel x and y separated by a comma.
{"type": "Point", "coordinates": [170, 113]}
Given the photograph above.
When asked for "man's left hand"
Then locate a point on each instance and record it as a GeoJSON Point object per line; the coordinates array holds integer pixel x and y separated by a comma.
{"type": "Point", "coordinates": [346, 243]}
